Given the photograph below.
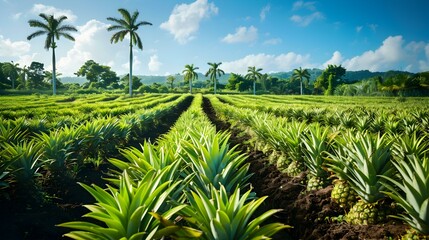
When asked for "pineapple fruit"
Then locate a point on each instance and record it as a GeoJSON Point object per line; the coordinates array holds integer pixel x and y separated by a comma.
{"type": "Point", "coordinates": [343, 194]}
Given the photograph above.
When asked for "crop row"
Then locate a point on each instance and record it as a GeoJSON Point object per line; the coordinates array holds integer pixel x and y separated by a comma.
{"type": "Point", "coordinates": [55, 108]}
{"type": "Point", "coordinates": [368, 166]}
{"type": "Point", "coordinates": [30, 153]}
{"type": "Point", "coordinates": [376, 119]}
{"type": "Point", "coordinates": [191, 184]}
{"type": "Point", "coordinates": [69, 115]}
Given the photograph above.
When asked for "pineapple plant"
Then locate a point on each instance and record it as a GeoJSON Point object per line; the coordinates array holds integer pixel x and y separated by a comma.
{"type": "Point", "coordinates": [408, 145]}
{"type": "Point", "coordinates": [223, 215]}
{"type": "Point", "coordinates": [125, 211]}
{"type": "Point", "coordinates": [410, 190]}
{"type": "Point", "coordinates": [316, 143]}
{"type": "Point", "coordinates": [362, 160]}
{"type": "Point", "coordinates": [289, 140]}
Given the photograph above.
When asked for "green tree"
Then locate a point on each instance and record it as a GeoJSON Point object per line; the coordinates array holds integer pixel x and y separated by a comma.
{"type": "Point", "coordinates": [22, 78]}
{"type": "Point", "coordinates": [94, 72]}
{"type": "Point", "coordinates": [127, 25]}
{"type": "Point", "coordinates": [136, 83]}
{"type": "Point", "coordinates": [301, 74]}
{"type": "Point", "coordinates": [53, 28]}
{"type": "Point", "coordinates": [10, 70]}
{"type": "Point", "coordinates": [214, 72]}
{"type": "Point", "coordinates": [170, 81]}
{"type": "Point", "coordinates": [322, 82]}
{"type": "Point", "coordinates": [254, 74]}
{"type": "Point", "coordinates": [190, 75]}
{"type": "Point", "coordinates": [36, 75]}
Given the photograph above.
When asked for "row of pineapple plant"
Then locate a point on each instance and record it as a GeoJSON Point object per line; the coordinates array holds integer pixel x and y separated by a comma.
{"type": "Point", "coordinates": [30, 158]}
{"type": "Point", "coordinates": [56, 114]}
{"type": "Point", "coordinates": [367, 167]}
{"type": "Point", "coordinates": [45, 124]}
{"type": "Point", "coordinates": [191, 184]}
{"type": "Point", "coordinates": [391, 120]}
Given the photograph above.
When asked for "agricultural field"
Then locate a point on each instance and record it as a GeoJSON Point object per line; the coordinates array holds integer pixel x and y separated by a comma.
{"type": "Point", "coordinates": [108, 166]}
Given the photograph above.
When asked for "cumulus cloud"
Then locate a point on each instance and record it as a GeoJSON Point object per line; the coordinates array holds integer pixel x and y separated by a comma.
{"type": "Point", "coordinates": [424, 63]}
{"type": "Point", "coordinates": [8, 48]}
{"type": "Point", "coordinates": [393, 54]}
{"type": "Point", "coordinates": [387, 55]}
{"type": "Point", "coordinates": [273, 41]}
{"type": "Point", "coordinates": [154, 63]}
{"type": "Point", "coordinates": [89, 40]}
{"type": "Point", "coordinates": [269, 63]}
{"type": "Point", "coordinates": [306, 19]}
{"type": "Point", "coordinates": [264, 12]}
{"type": "Point", "coordinates": [336, 59]}
{"type": "Point", "coordinates": [185, 19]}
{"type": "Point", "coordinates": [50, 10]}
{"type": "Point", "coordinates": [26, 60]}
{"type": "Point", "coordinates": [242, 34]}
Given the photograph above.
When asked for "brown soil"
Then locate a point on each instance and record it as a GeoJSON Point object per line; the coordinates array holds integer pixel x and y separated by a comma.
{"type": "Point", "coordinates": [311, 214]}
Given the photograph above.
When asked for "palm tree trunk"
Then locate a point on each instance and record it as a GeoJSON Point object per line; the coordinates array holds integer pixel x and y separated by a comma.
{"type": "Point", "coordinates": [254, 87]}
{"type": "Point", "coordinates": [301, 85]}
{"type": "Point", "coordinates": [131, 68]}
{"type": "Point", "coordinates": [54, 80]}
{"type": "Point", "coordinates": [215, 86]}
{"type": "Point", "coordinates": [190, 85]}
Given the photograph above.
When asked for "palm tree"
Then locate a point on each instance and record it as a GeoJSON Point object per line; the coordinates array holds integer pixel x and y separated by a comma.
{"type": "Point", "coordinates": [214, 72]}
{"type": "Point", "coordinates": [53, 28]}
{"type": "Point", "coordinates": [127, 25]}
{"type": "Point", "coordinates": [11, 71]}
{"type": "Point", "coordinates": [299, 74]}
{"type": "Point", "coordinates": [190, 74]}
{"type": "Point", "coordinates": [254, 75]}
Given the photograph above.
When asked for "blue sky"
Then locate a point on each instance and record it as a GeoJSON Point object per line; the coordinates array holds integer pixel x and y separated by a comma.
{"type": "Point", "coordinates": [276, 35]}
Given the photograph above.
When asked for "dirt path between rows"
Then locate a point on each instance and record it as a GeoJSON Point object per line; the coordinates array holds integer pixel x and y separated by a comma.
{"type": "Point", "coordinates": [311, 214]}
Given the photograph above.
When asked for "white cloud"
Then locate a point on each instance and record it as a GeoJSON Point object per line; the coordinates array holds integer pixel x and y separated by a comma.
{"type": "Point", "coordinates": [273, 41]}
{"type": "Point", "coordinates": [154, 63]}
{"type": "Point", "coordinates": [50, 10]}
{"type": "Point", "coordinates": [359, 28]}
{"type": "Point", "coordinates": [301, 4]}
{"type": "Point", "coordinates": [307, 19]}
{"type": "Point", "coordinates": [25, 60]}
{"type": "Point", "coordinates": [383, 58]}
{"type": "Point", "coordinates": [242, 34]}
{"type": "Point", "coordinates": [393, 54]}
{"type": "Point", "coordinates": [264, 12]}
{"type": "Point", "coordinates": [269, 63]}
{"type": "Point", "coordinates": [136, 65]}
{"type": "Point", "coordinates": [91, 42]}
{"type": "Point", "coordinates": [185, 19]}
{"type": "Point", "coordinates": [8, 48]}
{"type": "Point", "coordinates": [16, 16]}
{"type": "Point", "coordinates": [336, 59]}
